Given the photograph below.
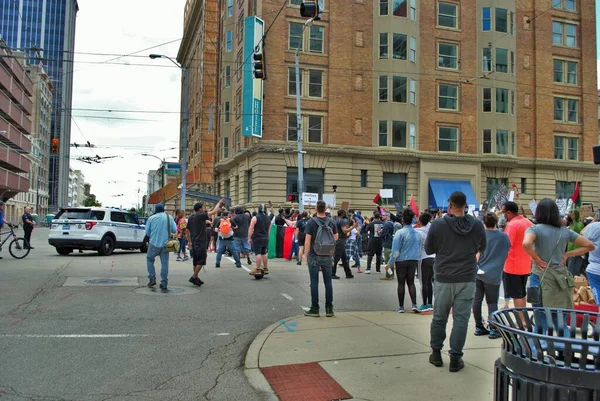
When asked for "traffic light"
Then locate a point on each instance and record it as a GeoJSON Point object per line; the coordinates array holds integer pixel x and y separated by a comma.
{"type": "Point", "coordinates": [292, 197]}
{"type": "Point", "coordinates": [310, 9]}
{"type": "Point", "coordinates": [260, 65]}
{"type": "Point", "coordinates": [55, 144]}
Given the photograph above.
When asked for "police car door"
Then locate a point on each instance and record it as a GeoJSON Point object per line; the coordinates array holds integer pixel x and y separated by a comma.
{"type": "Point", "coordinates": [137, 231]}
{"type": "Point", "coordinates": [120, 227]}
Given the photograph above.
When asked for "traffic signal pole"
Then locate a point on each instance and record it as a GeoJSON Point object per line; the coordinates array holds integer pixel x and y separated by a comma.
{"type": "Point", "coordinates": [299, 131]}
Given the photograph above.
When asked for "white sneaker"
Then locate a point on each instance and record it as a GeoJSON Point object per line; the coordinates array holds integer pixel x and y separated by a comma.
{"type": "Point", "coordinates": [368, 271]}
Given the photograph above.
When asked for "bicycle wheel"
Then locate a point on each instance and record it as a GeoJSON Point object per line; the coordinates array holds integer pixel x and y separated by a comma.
{"type": "Point", "coordinates": [18, 248]}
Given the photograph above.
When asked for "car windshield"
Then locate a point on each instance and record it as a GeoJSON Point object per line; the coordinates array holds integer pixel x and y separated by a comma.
{"type": "Point", "coordinates": [80, 214]}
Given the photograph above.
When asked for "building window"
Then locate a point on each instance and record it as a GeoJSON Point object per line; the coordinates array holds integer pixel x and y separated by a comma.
{"type": "Point", "coordinates": [383, 133]}
{"type": "Point", "coordinates": [399, 89]}
{"type": "Point", "coordinates": [501, 60]}
{"type": "Point", "coordinates": [226, 111]}
{"type": "Point", "coordinates": [565, 189]}
{"type": "Point", "coordinates": [229, 8]}
{"type": "Point", "coordinates": [413, 136]}
{"type": "Point", "coordinates": [566, 110]}
{"type": "Point", "coordinates": [227, 188]}
{"type": "Point", "coordinates": [487, 59]}
{"type": "Point", "coordinates": [413, 49]}
{"type": "Point", "coordinates": [501, 101]}
{"type": "Point", "coordinates": [238, 104]}
{"type": "Point", "coordinates": [397, 183]}
{"type": "Point", "coordinates": [502, 142]}
{"type": "Point", "coordinates": [292, 128]}
{"type": "Point", "coordinates": [399, 46]}
{"type": "Point", "coordinates": [292, 81]}
{"type": "Point", "coordinates": [565, 72]}
{"type": "Point", "coordinates": [227, 76]}
{"type": "Point", "coordinates": [447, 15]}
{"type": "Point", "coordinates": [523, 185]}
{"type": "Point", "coordinates": [568, 5]}
{"type": "Point", "coordinates": [383, 7]}
{"type": "Point", "coordinates": [487, 100]}
{"type": "Point", "coordinates": [383, 45]}
{"type": "Point", "coordinates": [225, 147]}
{"type": "Point", "coordinates": [487, 141]}
{"type": "Point", "coordinates": [314, 180]}
{"type": "Point", "coordinates": [566, 148]}
{"type": "Point", "coordinates": [383, 88]}
{"type": "Point", "coordinates": [400, 8]}
{"type": "Point", "coordinates": [501, 20]}
{"type": "Point", "coordinates": [315, 83]}
{"type": "Point", "coordinates": [399, 134]}
{"type": "Point", "coordinates": [413, 91]}
{"type": "Point", "coordinates": [249, 186]}
{"type": "Point", "coordinates": [229, 39]}
{"type": "Point", "coordinates": [295, 38]}
{"type": "Point", "coordinates": [512, 102]}
{"type": "Point", "coordinates": [493, 185]}
{"type": "Point", "coordinates": [363, 178]}
{"type": "Point", "coordinates": [447, 97]}
{"type": "Point", "coordinates": [316, 39]}
{"type": "Point", "coordinates": [448, 139]}
{"type": "Point", "coordinates": [448, 56]}
{"type": "Point", "coordinates": [413, 10]}
{"type": "Point", "coordinates": [486, 19]}
{"type": "Point", "coordinates": [315, 129]}
{"type": "Point", "coordinates": [564, 34]}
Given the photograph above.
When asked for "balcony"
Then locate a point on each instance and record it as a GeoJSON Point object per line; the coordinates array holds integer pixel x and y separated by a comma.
{"type": "Point", "coordinates": [14, 161]}
{"type": "Point", "coordinates": [13, 137]}
{"type": "Point", "coordinates": [15, 68]}
{"type": "Point", "coordinates": [12, 183]}
{"type": "Point", "coordinates": [16, 93]}
{"type": "Point", "coordinates": [15, 115]}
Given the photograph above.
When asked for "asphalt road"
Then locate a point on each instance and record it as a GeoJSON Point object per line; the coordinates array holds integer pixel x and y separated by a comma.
{"type": "Point", "coordinates": [64, 339]}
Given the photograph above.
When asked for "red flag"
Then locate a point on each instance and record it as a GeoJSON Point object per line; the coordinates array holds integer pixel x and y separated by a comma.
{"type": "Point", "coordinates": [413, 205]}
{"type": "Point", "coordinates": [378, 200]}
{"type": "Point", "coordinates": [576, 198]}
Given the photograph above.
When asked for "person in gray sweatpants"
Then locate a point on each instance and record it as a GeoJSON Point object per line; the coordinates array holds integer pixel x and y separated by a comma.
{"type": "Point", "coordinates": [455, 239]}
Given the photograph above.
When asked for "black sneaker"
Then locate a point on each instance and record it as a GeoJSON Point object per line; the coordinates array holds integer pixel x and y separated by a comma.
{"type": "Point", "coordinates": [481, 331]}
{"type": "Point", "coordinates": [217, 266]}
{"type": "Point", "coordinates": [312, 312]}
{"type": "Point", "coordinates": [299, 263]}
{"type": "Point", "coordinates": [349, 275]}
{"type": "Point", "coordinates": [456, 364]}
{"type": "Point", "coordinates": [335, 277]}
{"type": "Point", "coordinates": [329, 311]}
{"type": "Point", "coordinates": [196, 281]}
{"type": "Point", "coordinates": [151, 283]}
{"type": "Point", "coordinates": [436, 358]}
{"type": "Point", "coordinates": [163, 287]}
{"type": "Point", "coordinates": [238, 266]}
{"type": "Point", "coordinates": [249, 261]}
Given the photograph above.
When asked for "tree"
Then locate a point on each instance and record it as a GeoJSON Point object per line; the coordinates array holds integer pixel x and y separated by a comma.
{"type": "Point", "coordinates": [89, 202]}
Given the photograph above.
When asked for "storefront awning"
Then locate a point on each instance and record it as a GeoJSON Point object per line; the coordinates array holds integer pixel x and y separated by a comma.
{"type": "Point", "coordinates": [440, 191]}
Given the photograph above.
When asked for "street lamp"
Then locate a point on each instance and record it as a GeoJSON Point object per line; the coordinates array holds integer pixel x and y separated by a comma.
{"type": "Point", "coordinates": [184, 147]}
{"type": "Point", "coordinates": [162, 168]}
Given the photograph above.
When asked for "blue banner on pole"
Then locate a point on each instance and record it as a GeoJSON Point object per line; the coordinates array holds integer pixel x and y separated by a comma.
{"type": "Point", "coordinates": [252, 89]}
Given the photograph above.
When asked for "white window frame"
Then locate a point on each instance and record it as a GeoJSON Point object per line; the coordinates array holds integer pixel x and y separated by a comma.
{"type": "Point", "coordinates": [382, 134]}
{"type": "Point", "coordinates": [455, 16]}
{"type": "Point", "coordinates": [383, 78]}
{"type": "Point", "coordinates": [227, 76]}
{"type": "Point", "coordinates": [406, 46]}
{"type": "Point", "coordinates": [564, 36]}
{"type": "Point", "coordinates": [562, 5]}
{"type": "Point", "coordinates": [413, 50]}
{"type": "Point", "coordinates": [229, 8]}
{"type": "Point", "coordinates": [413, 10]}
{"type": "Point", "coordinates": [456, 58]}
{"type": "Point", "coordinates": [386, 46]}
{"type": "Point", "coordinates": [565, 109]}
{"type": "Point", "coordinates": [493, 142]}
{"type": "Point", "coordinates": [227, 111]}
{"type": "Point", "coordinates": [412, 139]}
{"type": "Point", "coordinates": [566, 147]}
{"type": "Point", "coordinates": [229, 41]}
{"type": "Point", "coordinates": [387, 7]}
{"type": "Point", "coordinates": [457, 140]}
{"type": "Point", "coordinates": [565, 63]}
{"type": "Point", "coordinates": [491, 19]}
{"type": "Point", "coordinates": [456, 98]}
{"type": "Point", "coordinates": [412, 98]}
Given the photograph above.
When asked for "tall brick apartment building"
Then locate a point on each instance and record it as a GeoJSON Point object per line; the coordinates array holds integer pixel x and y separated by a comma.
{"type": "Point", "coordinates": [15, 126]}
{"type": "Point", "coordinates": [422, 97]}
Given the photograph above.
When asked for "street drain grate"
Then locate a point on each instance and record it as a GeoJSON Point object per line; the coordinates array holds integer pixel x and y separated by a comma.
{"type": "Point", "coordinates": [105, 281]}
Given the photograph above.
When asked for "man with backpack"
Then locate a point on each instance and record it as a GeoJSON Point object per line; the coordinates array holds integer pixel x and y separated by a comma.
{"type": "Point", "coordinates": [319, 248]}
{"type": "Point", "coordinates": [226, 240]}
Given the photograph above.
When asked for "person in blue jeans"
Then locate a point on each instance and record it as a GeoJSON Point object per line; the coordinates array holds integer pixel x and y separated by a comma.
{"type": "Point", "coordinates": [226, 241]}
{"type": "Point", "coordinates": [159, 227]}
{"type": "Point", "coordinates": [317, 262]}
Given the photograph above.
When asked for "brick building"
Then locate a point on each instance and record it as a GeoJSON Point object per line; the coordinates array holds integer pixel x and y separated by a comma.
{"type": "Point", "coordinates": [421, 97]}
{"type": "Point", "coordinates": [15, 127]}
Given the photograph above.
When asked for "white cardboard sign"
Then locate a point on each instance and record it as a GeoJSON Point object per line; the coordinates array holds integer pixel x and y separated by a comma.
{"type": "Point", "coordinates": [533, 206]}
{"type": "Point", "coordinates": [309, 199]}
{"type": "Point", "coordinates": [329, 200]}
{"type": "Point", "coordinates": [386, 193]}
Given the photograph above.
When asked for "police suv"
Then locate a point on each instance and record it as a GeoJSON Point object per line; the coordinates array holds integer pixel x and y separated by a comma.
{"type": "Point", "coordinates": [96, 228]}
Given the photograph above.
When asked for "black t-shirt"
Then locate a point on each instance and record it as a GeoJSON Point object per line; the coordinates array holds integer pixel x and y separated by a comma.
{"type": "Point", "coordinates": [242, 221]}
{"type": "Point", "coordinates": [197, 226]}
{"type": "Point", "coordinates": [339, 225]}
{"type": "Point", "coordinates": [279, 221]}
{"type": "Point", "coordinates": [375, 230]}
{"type": "Point", "coordinates": [27, 226]}
{"type": "Point", "coordinates": [261, 227]}
{"type": "Point", "coordinates": [311, 229]}
{"type": "Point", "coordinates": [301, 225]}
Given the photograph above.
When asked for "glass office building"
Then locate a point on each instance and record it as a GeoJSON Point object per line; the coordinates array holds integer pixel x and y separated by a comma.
{"type": "Point", "coordinates": [45, 31]}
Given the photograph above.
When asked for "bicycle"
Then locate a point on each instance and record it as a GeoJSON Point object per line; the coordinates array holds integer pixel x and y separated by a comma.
{"type": "Point", "coordinates": [18, 247]}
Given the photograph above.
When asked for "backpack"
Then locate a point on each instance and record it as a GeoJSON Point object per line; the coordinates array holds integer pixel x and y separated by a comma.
{"type": "Point", "coordinates": [225, 230]}
{"type": "Point", "coordinates": [324, 240]}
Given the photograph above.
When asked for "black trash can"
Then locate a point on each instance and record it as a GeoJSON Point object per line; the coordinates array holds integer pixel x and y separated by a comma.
{"type": "Point", "coordinates": [559, 362]}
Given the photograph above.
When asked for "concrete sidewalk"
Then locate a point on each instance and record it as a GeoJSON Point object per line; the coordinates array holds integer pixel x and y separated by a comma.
{"type": "Point", "coordinates": [365, 356]}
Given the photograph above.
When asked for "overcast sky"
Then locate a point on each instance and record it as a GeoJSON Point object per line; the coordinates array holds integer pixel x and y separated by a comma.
{"type": "Point", "coordinates": [125, 27]}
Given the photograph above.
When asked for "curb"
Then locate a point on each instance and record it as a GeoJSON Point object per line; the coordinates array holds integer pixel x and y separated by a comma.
{"type": "Point", "coordinates": [251, 363]}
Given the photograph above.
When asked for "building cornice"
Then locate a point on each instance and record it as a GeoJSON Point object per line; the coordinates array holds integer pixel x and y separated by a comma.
{"type": "Point", "coordinates": [403, 154]}
{"type": "Point", "coordinates": [189, 31]}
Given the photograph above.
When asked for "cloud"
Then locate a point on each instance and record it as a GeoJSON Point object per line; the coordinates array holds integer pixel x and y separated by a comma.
{"type": "Point", "coordinates": [126, 86]}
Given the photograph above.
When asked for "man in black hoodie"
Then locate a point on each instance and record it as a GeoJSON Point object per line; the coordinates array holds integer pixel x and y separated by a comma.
{"type": "Point", "coordinates": [455, 239]}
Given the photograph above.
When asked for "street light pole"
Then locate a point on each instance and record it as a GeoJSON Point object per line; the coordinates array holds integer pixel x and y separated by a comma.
{"type": "Point", "coordinates": [162, 168]}
{"type": "Point", "coordinates": [299, 133]}
{"type": "Point", "coordinates": [184, 126]}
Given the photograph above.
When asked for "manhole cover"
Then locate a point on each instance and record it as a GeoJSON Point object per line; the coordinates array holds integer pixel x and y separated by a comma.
{"type": "Point", "coordinates": [170, 291]}
{"type": "Point", "coordinates": [102, 281]}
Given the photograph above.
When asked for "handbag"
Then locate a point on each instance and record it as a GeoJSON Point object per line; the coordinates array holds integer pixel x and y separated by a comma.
{"type": "Point", "coordinates": [534, 294]}
{"type": "Point", "coordinates": [172, 244]}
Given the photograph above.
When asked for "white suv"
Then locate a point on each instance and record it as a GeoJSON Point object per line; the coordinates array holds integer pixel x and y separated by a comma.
{"type": "Point", "coordinates": [96, 228]}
